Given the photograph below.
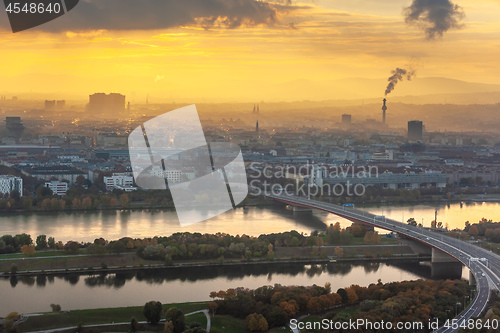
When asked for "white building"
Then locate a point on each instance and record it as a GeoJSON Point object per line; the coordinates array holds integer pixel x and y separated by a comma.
{"type": "Point", "coordinates": [316, 176]}
{"type": "Point", "coordinates": [10, 183]}
{"type": "Point", "coordinates": [120, 181]}
{"type": "Point", "coordinates": [388, 155]}
{"type": "Point", "coordinates": [172, 176]}
{"type": "Point", "coordinates": [57, 187]}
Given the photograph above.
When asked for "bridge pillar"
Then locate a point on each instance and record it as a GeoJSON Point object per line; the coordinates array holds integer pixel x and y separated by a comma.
{"type": "Point", "coordinates": [472, 279]}
{"type": "Point", "coordinates": [301, 209]}
{"type": "Point", "coordinates": [444, 266]}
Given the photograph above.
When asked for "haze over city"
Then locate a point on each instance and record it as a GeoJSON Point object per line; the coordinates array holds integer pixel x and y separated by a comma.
{"type": "Point", "coordinates": [253, 51]}
{"type": "Point", "coordinates": [194, 166]}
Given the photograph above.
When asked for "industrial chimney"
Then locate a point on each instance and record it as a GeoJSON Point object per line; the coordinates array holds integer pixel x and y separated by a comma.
{"type": "Point", "coordinates": [384, 108]}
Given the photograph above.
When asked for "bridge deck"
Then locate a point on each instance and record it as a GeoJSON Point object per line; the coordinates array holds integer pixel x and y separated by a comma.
{"type": "Point", "coordinates": [486, 273]}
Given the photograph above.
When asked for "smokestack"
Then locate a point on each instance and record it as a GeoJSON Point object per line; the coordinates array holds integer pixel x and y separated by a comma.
{"type": "Point", "coordinates": [384, 108]}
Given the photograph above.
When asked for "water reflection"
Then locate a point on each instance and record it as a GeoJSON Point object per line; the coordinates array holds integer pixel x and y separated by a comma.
{"type": "Point", "coordinates": [230, 273]}
{"type": "Point", "coordinates": [114, 224]}
{"type": "Point", "coordinates": [185, 284]}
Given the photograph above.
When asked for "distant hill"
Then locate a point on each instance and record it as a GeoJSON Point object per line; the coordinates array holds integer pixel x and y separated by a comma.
{"type": "Point", "coordinates": [358, 89]}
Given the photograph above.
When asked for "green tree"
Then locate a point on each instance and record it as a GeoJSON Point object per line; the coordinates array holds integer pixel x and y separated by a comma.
{"type": "Point", "coordinates": [51, 243]}
{"type": "Point", "coordinates": [42, 192]}
{"type": "Point", "coordinates": [133, 325]}
{"type": "Point", "coordinates": [27, 203]}
{"type": "Point", "coordinates": [176, 316]}
{"type": "Point", "coordinates": [116, 247]}
{"type": "Point", "coordinates": [152, 311]}
{"type": "Point", "coordinates": [411, 221]}
{"type": "Point", "coordinates": [41, 242]}
{"type": "Point", "coordinates": [343, 294]}
{"type": "Point", "coordinates": [23, 239]}
{"type": "Point", "coordinates": [80, 180]}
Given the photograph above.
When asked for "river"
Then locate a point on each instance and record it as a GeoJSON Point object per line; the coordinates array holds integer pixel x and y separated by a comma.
{"type": "Point", "coordinates": [35, 294]}
{"type": "Point", "coordinates": [86, 226]}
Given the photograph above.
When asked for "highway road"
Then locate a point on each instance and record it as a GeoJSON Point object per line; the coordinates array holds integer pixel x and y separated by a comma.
{"type": "Point", "coordinates": [484, 264]}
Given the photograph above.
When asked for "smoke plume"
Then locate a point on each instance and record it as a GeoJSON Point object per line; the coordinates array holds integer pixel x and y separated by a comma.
{"type": "Point", "coordinates": [164, 14]}
{"type": "Point", "coordinates": [435, 16]}
{"type": "Point", "coordinates": [398, 75]}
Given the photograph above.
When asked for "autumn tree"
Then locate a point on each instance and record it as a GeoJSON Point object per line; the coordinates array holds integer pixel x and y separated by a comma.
{"type": "Point", "coordinates": [262, 322]}
{"type": "Point", "coordinates": [86, 203]}
{"type": "Point", "coordinates": [256, 323]}
{"type": "Point", "coordinates": [45, 204]}
{"type": "Point", "coordinates": [339, 252]}
{"type": "Point", "coordinates": [176, 316]}
{"type": "Point", "coordinates": [372, 237]}
{"type": "Point", "coordinates": [358, 230]}
{"type": "Point", "coordinates": [169, 327]}
{"type": "Point", "coordinates": [473, 231]}
{"type": "Point", "coordinates": [124, 200]}
{"type": "Point", "coordinates": [28, 250]}
{"type": "Point", "coordinates": [76, 203]}
{"type": "Point", "coordinates": [59, 245]}
{"type": "Point", "coordinates": [290, 307]}
{"type": "Point", "coordinates": [314, 304]}
{"type": "Point", "coordinates": [72, 247]}
{"type": "Point", "coordinates": [352, 297]}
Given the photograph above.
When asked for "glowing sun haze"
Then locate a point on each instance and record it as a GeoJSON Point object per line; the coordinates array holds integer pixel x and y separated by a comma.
{"type": "Point", "coordinates": [214, 49]}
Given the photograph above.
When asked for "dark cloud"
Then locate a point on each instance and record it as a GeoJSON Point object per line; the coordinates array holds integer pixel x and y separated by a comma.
{"type": "Point", "coordinates": [435, 16]}
{"type": "Point", "coordinates": [160, 14]}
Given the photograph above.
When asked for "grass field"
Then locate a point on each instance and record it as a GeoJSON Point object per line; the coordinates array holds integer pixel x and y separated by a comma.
{"type": "Point", "coordinates": [61, 260]}
{"type": "Point", "coordinates": [104, 316]}
{"type": "Point", "coordinates": [220, 324]}
{"type": "Point", "coordinates": [68, 262]}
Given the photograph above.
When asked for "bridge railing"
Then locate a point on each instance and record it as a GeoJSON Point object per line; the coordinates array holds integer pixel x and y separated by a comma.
{"type": "Point", "coordinates": [373, 219]}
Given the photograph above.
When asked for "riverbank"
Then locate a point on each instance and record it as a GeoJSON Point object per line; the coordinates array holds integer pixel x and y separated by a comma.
{"type": "Point", "coordinates": [264, 202]}
{"type": "Point", "coordinates": [150, 265]}
{"type": "Point", "coordinates": [118, 320]}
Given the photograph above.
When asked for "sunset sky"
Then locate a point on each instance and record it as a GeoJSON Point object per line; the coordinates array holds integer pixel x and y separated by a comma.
{"type": "Point", "coordinates": [240, 49]}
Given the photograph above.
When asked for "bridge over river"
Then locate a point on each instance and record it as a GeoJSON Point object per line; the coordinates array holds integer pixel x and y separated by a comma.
{"type": "Point", "coordinates": [484, 265]}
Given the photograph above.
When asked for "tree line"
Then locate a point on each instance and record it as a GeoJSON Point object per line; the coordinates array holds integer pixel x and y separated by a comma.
{"type": "Point", "coordinates": [185, 246]}
{"type": "Point", "coordinates": [274, 306]}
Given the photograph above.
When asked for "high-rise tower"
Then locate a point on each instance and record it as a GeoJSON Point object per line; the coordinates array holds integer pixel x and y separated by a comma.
{"type": "Point", "coordinates": [384, 109]}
